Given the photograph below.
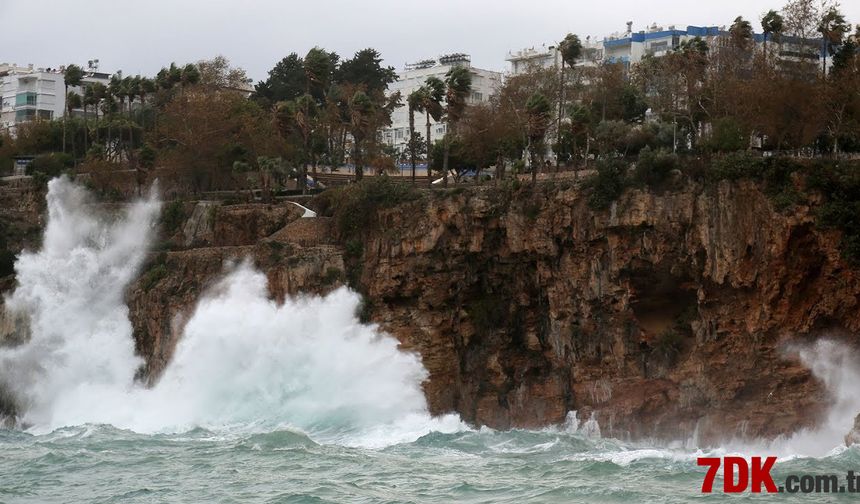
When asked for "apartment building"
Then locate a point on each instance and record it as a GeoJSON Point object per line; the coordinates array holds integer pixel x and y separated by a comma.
{"type": "Point", "coordinates": [29, 93]}
{"type": "Point", "coordinates": [413, 76]}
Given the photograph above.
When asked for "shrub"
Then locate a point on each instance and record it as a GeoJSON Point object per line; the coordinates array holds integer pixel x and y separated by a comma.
{"type": "Point", "coordinates": [332, 275]}
{"type": "Point", "coordinates": [654, 167]}
{"type": "Point", "coordinates": [736, 166]}
{"type": "Point", "coordinates": [607, 184]}
{"type": "Point", "coordinates": [153, 276]}
{"type": "Point", "coordinates": [726, 135]}
{"type": "Point", "coordinates": [172, 217]}
{"type": "Point", "coordinates": [51, 165]}
{"type": "Point", "coordinates": [355, 206]}
{"type": "Point", "coordinates": [841, 186]}
{"type": "Point", "coordinates": [612, 136]}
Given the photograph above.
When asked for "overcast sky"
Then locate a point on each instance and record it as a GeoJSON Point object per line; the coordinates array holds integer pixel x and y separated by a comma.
{"type": "Point", "coordinates": [142, 36]}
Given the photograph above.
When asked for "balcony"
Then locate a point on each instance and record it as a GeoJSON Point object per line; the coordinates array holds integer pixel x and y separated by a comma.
{"type": "Point", "coordinates": [27, 99]}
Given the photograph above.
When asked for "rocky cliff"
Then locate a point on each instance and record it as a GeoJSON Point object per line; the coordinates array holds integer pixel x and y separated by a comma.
{"type": "Point", "coordinates": [666, 314]}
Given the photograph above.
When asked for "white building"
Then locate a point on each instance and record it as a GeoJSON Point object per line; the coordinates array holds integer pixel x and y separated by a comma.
{"type": "Point", "coordinates": [548, 56]}
{"type": "Point", "coordinates": [629, 48]}
{"type": "Point", "coordinates": [28, 93]}
{"type": "Point", "coordinates": [625, 47]}
{"type": "Point", "coordinates": [484, 84]}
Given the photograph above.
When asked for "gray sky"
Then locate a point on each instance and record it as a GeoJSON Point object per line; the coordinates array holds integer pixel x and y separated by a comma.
{"type": "Point", "coordinates": [141, 37]}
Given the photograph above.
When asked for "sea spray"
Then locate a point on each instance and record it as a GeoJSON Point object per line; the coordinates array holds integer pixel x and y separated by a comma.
{"type": "Point", "coordinates": [71, 291]}
{"type": "Point", "coordinates": [246, 361]}
{"type": "Point", "coordinates": [838, 367]}
{"type": "Point", "coordinates": [243, 362]}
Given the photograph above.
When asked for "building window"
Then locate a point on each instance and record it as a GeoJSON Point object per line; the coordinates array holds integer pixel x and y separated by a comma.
{"type": "Point", "coordinates": [46, 114]}
{"type": "Point", "coordinates": [24, 99]}
{"type": "Point", "coordinates": [24, 115]}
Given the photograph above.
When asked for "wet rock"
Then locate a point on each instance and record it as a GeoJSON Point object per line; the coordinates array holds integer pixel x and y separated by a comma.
{"type": "Point", "coordinates": [853, 437]}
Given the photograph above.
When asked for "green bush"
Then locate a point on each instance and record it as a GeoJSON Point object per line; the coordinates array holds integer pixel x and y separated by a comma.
{"type": "Point", "coordinates": [726, 135]}
{"type": "Point", "coordinates": [153, 276]}
{"type": "Point", "coordinates": [354, 207]}
{"type": "Point", "coordinates": [332, 275]}
{"type": "Point", "coordinates": [172, 217]}
{"type": "Point", "coordinates": [50, 165]}
{"type": "Point", "coordinates": [654, 167]}
{"type": "Point", "coordinates": [607, 184]}
{"type": "Point", "coordinates": [737, 166]}
{"type": "Point", "coordinates": [840, 185]}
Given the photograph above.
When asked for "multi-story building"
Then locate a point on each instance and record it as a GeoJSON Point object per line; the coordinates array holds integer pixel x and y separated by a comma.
{"type": "Point", "coordinates": [624, 47]}
{"type": "Point", "coordinates": [630, 47]}
{"type": "Point", "coordinates": [548, 56]}
{"type": "Point", "coordinates": [484, 84]}
{"type": "Point", "coordinates": [28, 93]}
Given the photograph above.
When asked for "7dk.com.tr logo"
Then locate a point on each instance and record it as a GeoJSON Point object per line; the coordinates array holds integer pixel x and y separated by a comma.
{"type": "Point", "coordinates": [740, 476]}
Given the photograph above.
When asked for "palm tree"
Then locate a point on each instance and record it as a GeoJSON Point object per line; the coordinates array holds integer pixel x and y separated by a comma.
{"type": "Point", "coordinates": [97, 91]}
{"type": "Point", "coordinates": [71, 77]}
{"type": "Point", "coordinates": [832, 28]}
{"type": "Point", "coordinates": [538, 110]}
{"type": "Point", "coordinates": [741, 32]}
{"type": "Point", "coordinates": [771, 24]}
{"type": "Point", "coordinates": [414, 101]}
{"type": "Point", "coordinates": [361, 111]}
{"type": "Point", "coordinates": [73, 101]}
{"type": "Point", "coordinates": [189, 75]}
{"type": "Point", "coordinates": [458, 81]}
{"type": "Point", "coordinates": [298, 115]}
{"type": "Point", "coordinates": [570, 50]}
{"type": "Point", "coordinates": [432, 107]}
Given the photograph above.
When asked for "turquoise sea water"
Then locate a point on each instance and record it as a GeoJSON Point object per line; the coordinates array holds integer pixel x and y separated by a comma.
{"type": "Point", "coordinates": [104, 464]}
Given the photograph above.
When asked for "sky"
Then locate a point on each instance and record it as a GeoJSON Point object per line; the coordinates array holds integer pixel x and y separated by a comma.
{"type": "Point", "coordinates": [141, 37]}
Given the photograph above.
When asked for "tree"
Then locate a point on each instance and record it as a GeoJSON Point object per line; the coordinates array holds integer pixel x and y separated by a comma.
{"type": "Point", "coordinates": [801, 18]}
{"type": "Point", "coordinates": [365, 68]}
{"type": "Point", "coordinates": [571, 50]}
{"type": "Point", "coordinates": [218, 73]}
{"type": "Point", "coordinates": [772, 24]}
{"type": "Point", "coordinates": [458, 82]}
{"type": "Point", "coordinates": [72, 76]}
{"type": "Point", "coordinates": [832, 28]}
{"type": "Point", "coordinates": [538, 109]}
{"type": "Point", "coordinates": [286, 81]}
{"type": "Point", "coordinates": [361, 111]}
{"type": "Point", "coordinates": [319, 67]}
{"type": "Point", "coordinates": [298, 116]}
{"type": "Point", "coordinates": [431, 104]}
{"type": "Point", "coordinates": [414, 102]}
{"type": "Point", "coordinates": [741, 33]}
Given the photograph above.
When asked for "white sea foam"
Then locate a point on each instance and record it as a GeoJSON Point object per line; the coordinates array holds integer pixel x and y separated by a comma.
{"type": "Point", "coordinates": [244, 362]}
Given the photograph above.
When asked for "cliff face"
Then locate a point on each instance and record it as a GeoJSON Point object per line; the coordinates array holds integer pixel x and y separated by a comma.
{"type": "Point", "coordinates": [663, 314]}
{"type": "Point", "coordinates": [296, 254]}
{"type": "Point", "coordinates": [666, 314]}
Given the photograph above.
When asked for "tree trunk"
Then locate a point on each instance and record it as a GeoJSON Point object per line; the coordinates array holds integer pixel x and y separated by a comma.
{"type": "Point", "coordinates": [446, 142]}
{"type": "Point", "coordinates": [429, 148]}
{"type": "Point", "coordinates": [411, 141]}
{"type": "Point", "coordinates": [359, 170]}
